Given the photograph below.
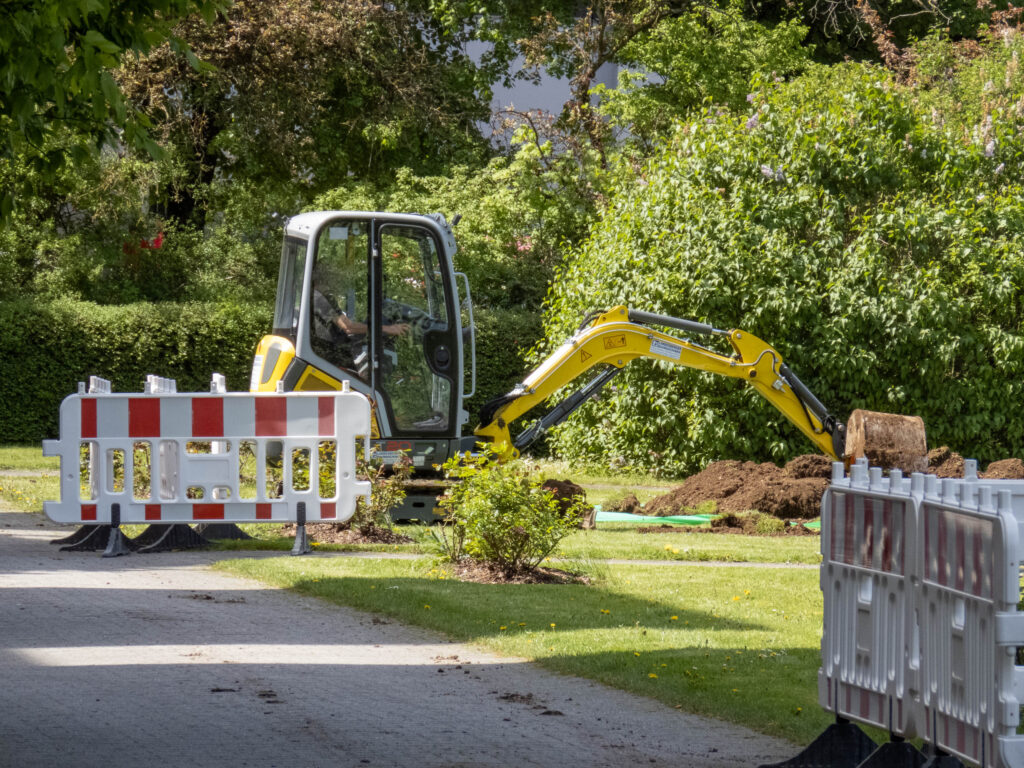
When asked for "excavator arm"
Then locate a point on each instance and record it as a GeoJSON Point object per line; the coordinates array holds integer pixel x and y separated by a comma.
{"type": "Point", "coordinates": [620, 335]}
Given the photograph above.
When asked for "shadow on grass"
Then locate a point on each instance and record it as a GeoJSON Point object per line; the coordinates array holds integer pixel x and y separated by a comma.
{"type": "Point", "coordinates": [469, 611]}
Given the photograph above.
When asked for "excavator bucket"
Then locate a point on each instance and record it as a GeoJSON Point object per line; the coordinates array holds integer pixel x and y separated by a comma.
{"type": "Point", "coordinates": [888, 440]}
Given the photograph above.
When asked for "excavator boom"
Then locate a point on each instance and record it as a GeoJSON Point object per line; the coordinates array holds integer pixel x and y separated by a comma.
{"type": "Point", "coordinates": [620, 335]}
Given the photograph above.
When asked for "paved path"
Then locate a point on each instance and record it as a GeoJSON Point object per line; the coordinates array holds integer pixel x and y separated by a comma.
{"type": "Point", "coordinates": [156, 660]}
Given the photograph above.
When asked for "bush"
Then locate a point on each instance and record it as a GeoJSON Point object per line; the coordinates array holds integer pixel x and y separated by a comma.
{"type": "Point", "coordinates": [48, 347]}
{"type": "Point", "coordinates": [500, 515]}
{"type": "Point", "coordinates": [880, 250]}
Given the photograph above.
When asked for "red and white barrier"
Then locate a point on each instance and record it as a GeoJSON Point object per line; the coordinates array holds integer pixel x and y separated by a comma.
{"type": "Point", "coordinates": [921, 583]}
{"type": "Point", "coordinates": [201, 453]}
{"type": "Point", "coordinates": [866, 542]}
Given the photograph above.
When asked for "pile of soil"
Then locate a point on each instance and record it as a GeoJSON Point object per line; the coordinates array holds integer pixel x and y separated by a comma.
{"type": "Point", "coordinates": [792, 492]}
{"type": "Point", "coordinates": [630, 504]}
{"type": "Point", "coordinates": [332, 533]}
{"type": "Point", "coordinates": [943, 462]}
{"type": "Point", "coordinates": [567, 492]}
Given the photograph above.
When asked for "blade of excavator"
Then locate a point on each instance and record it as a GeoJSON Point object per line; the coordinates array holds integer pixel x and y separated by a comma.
{"type": "Point", "coordinates": [888, 440]}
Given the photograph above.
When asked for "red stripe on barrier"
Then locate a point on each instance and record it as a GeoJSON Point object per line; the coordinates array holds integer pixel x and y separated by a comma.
{"type": "Point", "coordinates": [152, 511]}
{"type": "Point", "coordinates": [848, 539]}
{"type": "Point", "coordinates": [943, 576]}
{"type": "Point", "coordinates": [328, 510]}
{"type": "Point", "coordinates": [207, 417]}
{"type": "Point", "coordinates": [887, 536]}
{"type": "Point", "coordinates": [263, 511]}
{"type": "Point", "coordinates": [271, 417]}
{"type": "Point", "coordinates": [88, 417]}
{"type": "Point", "coordinates": [208, 512]}
{"type": "Point", "coordinates": [961, 555]}
{"type": "Point", "coordinates": [977, 577]}
{"type": "Point", "coordinates": [143, 417]}
{"type": "Point", "coordinates": [88, 511]}
{"type": "Point", "coordinates": [961, 737]}
{"type": "Point", "coordinates": [325, 406]}
{"type": "Point", "coordinates": [865, 704]}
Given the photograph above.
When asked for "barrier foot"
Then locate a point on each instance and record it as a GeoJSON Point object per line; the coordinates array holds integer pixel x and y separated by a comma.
{"type": "Point", "coordinates": [117, 543]}
{"type": "Point", "coordinates": [895, 754]}
{"type": "Point", "coordinates": [841, 745]}
{"type": "Point", "coordinates": [301, 546]}
{"type": "Point", "coordinates": [165, 538]}
{"type": "Point", "coordinates": [89, 538]}
{"type": "Point", "coordinates": [221, 531]}
{"type": "Point", "coordinates": [943, 761]}
{"type": "Point", "coordinates": [82, 533]}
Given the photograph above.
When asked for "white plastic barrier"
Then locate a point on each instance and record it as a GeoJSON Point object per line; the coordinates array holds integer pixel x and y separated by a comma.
{"type": "Point", "coordinates": [921, 585]}
{"type": "Point", "coordinates": [197, 454]}
{"type": "Point", "coordinates": [966, 600]}
{"type": "Point", "coordinates": [867, 540]}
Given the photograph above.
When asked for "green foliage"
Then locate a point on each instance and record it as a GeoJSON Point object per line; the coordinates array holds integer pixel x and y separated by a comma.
{"type": "Point", "coordinates": [48, 347]}
{"type": "Point", "coordinates": [56, 64]}
{"type": "Point", "coordinates": [846, 224]}
{"type": "Point", "coordinates": [516, 216]}
{"type": "Point", "coordinates": [707, 54]}
{"type": "Point", "coordinates": [500, 515]}
{"type": "Point", "coordinates": [387, 492]}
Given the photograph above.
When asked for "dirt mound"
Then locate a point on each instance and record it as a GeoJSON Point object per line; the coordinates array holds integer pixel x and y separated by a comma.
{"type": "Point", "coordinates": [1005, 469]}
{"type": "Point", "coordinates": [943, 462]}
{"type": "Point", "coordinates": [567, 492]}
{"type": "Point", "coordinates": [811, 465]}
{"type": "Point", "coordinates": [790, 492]}
{"type": "Point", "coordinates": [630, 504]}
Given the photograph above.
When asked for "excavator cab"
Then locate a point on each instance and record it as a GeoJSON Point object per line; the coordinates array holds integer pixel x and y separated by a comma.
{"type": "Point", "coordinates": [372, 299]}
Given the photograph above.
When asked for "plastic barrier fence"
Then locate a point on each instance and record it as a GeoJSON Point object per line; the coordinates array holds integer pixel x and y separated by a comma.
{"type": "Point", "coordinates": [921, 583]}
{"type": "Point", "coordinates": [165, 457]}
{"type": "Point", "coordinates": [866, 541]}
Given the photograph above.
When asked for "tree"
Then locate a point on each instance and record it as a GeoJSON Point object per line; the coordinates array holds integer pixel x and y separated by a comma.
{"type": "Point", "coordinates": [56, 59]}
{"type": "Point", "coordinates": [297, 98]}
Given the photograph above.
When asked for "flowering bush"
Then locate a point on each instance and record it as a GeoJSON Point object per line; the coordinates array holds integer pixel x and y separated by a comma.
{"type": "Point", "coordinates": [498, 514]}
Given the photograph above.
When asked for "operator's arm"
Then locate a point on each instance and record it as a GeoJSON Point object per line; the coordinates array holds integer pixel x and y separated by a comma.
{"type": "Point", "coordinates": [620, 335]}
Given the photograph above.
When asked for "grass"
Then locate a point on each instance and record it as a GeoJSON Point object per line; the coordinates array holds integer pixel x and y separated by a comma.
{"type": "Point", "coordinates": [28, 458]}
{"type": "Point", "coordinates": [27, 494]}
{"type": "Point", "coordinates": [738, 644]}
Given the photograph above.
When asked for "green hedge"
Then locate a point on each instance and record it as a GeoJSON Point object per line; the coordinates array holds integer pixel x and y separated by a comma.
{"type": "Point", "coordinates": [48, 347]}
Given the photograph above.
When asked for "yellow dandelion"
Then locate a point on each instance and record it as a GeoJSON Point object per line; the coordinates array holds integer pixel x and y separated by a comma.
{"type": "Point", "coordinates": [636, 653]}
{"type": "Point", "coordinates": [735, 598]}
{"type": "Point", "coordinates": [675, 551]}
{"type": "Point", "coordinates": [427, 607]}
{"type": "Point", "coordinates": [605, 611]}
{"type": "Point", "coordinates": [746, 591]}
{"type": "Point", "coordinates": [735, 690]}
{"type": "Point", "coordinates": [653, 676]}
{"type": "Point", "coordinates": [552, 625]}
{"type": "Point", "coordinates": [675, 618]}
{"type": "Point", "coordinates": [502, 628]}
{"type": "Point", "coordinates": [522, 623]}
{"type": "Point", "coordinates": [798, 710]}
{"type": "Point", "coordinates": [668, 547]}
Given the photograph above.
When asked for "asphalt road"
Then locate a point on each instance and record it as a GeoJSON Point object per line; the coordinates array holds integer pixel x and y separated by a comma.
{"type": "Point", "coordinates": [155, 660]}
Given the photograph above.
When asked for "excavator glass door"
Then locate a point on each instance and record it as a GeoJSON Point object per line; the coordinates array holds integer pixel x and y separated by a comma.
{"type": "Point", "coordinates": [417, 346]}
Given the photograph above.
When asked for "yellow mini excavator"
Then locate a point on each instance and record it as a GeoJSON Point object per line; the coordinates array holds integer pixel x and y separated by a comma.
{"type": "Point", "coordinates": [373, 299]}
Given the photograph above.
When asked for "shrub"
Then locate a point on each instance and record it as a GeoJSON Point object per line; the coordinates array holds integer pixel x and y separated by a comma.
{"type": "Point", "coordinates": [878, 248]}
{"type": "Point", "coordinates": [499, 514]}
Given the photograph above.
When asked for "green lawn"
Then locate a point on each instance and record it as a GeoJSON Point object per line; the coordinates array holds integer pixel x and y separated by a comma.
{"type": "Point", "coordinates": [27, 457]}
{"type": "Point", "coordinates": [739, 644]}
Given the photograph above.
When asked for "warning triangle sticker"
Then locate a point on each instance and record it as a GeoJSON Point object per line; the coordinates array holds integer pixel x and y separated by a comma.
{"type": "Point", "coordinates": [584, 355]}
